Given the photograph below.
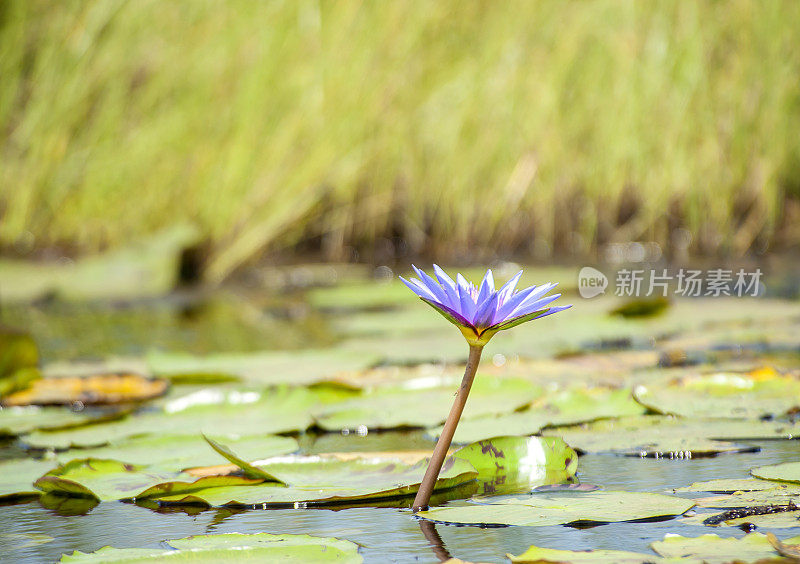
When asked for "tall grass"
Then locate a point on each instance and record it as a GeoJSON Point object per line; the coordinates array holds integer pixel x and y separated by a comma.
{"type": "Point", "coordinates": [455, 126]}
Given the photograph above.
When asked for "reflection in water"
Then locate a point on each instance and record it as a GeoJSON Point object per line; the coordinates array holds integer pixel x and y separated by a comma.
{"type": "Point", "coordinates": [434, 539]}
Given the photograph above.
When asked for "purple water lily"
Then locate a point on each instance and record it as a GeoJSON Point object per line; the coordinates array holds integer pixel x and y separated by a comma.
{"type": "Point", "coordinates": [480, 312]}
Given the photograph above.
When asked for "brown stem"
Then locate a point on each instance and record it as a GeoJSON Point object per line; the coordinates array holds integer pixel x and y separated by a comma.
{"type": "Point", "coordinates": [443, 444]}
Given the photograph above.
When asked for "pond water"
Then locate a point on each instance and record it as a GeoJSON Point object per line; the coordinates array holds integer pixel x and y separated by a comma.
{"type": "Point", "coordinates": [236, 322]}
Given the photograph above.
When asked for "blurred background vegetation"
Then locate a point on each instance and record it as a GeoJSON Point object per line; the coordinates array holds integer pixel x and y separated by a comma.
{"type": "Point", "coordinates": [383, 130]}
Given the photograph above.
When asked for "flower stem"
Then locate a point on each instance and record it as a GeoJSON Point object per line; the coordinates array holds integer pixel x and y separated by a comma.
{"type": "Point", "coordinates": [443, 444]}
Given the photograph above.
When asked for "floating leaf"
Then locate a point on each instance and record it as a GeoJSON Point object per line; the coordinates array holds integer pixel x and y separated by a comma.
{"type": "Point", "coordinates": [259, 547]}
{"type": "Point", "coordinates": [779, 494]}
{"type": "Point", "coordinates": [725, 394]}
{"type": "Point", "coordinates": [248, 469]}
{"type": "Point", "coordinates": [212, 410]}
{"type": "Point", "coordinates": [265, 368]}
{"type": "Point", "coordinates": [107, 480]}
{"type": "Point", "coordinates": [20, 420]}
{"type": "Point", "coordinates": [729, 486]}
{"type": "Point", "coordinates": [542, 509]}
{"type": "Point", "coordinates": [508, 463]}
{"type": "Point", "coordinates": [785, 472]}
{"type": "Point", "coordinates": [713, 549]}
{"type": "Point", "coordinates": [668, 437]}
{"type": "Point", "coordinates": [573, 405]}
{"type": "Point", "coordinates": [535, 555]}
{"type": "Point", "coordinates": [17, 477]}
{"type": "Point", "coordinates": [400, 407]}
{"type": "Point", "coordinates": [316, 481]}
{"type": "Point", "coordinates": [89, 390]}
{"type": "Point", "coordinates": [176, 452]}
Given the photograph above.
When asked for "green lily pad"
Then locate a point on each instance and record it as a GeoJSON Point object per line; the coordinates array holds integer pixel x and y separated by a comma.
{"type": "Point", "coordinates": [259, 547]}
{"type": "Point", "coordinates": [318, 481]}
{"type": "Point", "coordinates": [107, 480]}
{"type": "Point", "coordinates": [785, 472]}
{"type": "Point", "coordinates": [177, 452]}
{"type": "Point", "coordinates": [535, 555]}
{"type": "Point", "coordinates": [556, 508]}
{"type": "Point", "coordinates": [668, 437]}
{"type": "Point", "coordinates": [17, 477]}
{"type": "Point", "coordinates": [266, 368]}
{"type": "Point", "coordinates": [216, 411]}
{"type": "Point", "coordinates": [20, 420]}
{"type": "Point", "coordinates": [729, 486]}
{"type": "Point", "coordinates": [573, 405]}
{"type": "Point", "coordinates": [730, 395]}
{"type": "Point", "coordinates": [713, 549]}
{"type": "Point", "coordinates": [399, 407]}
{"type": "Point", "coordinates": [779, 494]}
{"type": "Point", "coordinates": [506, 462]}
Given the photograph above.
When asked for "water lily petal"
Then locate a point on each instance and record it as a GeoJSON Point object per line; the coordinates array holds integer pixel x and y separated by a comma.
{"type": "Point", "coordinates": [418, 288]}
{"type": "Point", "coordinates": [433, 286]}
{"type": "Point", "coordinates": [532, 293]}
{"type": "Point", "coordinates": [465, 299]}
{"type": "Point", "coordinates": [448, 285]}
{"type": "Point", "coordinates": [486, 289]}
{"type": "Point", "coordinates": [529, 305]}
{"type": "Point", "coordinates": [485, 312]}
{"type": "Point", "coordinates": [443, 277]}
{"type": "Point", "coordinates": [507, 290]}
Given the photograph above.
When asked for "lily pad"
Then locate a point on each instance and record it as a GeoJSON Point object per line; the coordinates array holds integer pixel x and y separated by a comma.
{"type": "Point", "coordinates": [557, 508]}
{"type": "Point", "coordinates": [507, 463]}
{"type": "Point", "coordinates": [779, 494]}
{"type": "Point", "coordinates": [177, 452]}
{"type": "Point", "coordinates": [318, 481]}
{"type": "Point", "coordinates": [107, 480]}
{"type": "Point", "coordinates": [727, 394]}
{"type": "Point", "coordinates": [212, 410]}
{"type": "Point", "coordinates": [89, 390]}
{"type": "Point", "coordinates": [535, 555]}
{"type": "Point", "coordinates": [573, 405]}
{"type": "Point", "coordinates": [713, 549]}
{"type": "Point", "coordinates": [262, 547]}
{"type": "Point", "coordinates": [668, 437]}
{"type": "Point", "coordinates": [785, 472]}
{"type": "Point", "coordinates": [20, 420]}
{"type": "Point", "coordinates": [729, 486]}
{"type": "Point", "coordinates": [400, 407]}
{"type": "Point", "coordinates": [265, 368]}
{"type": "Point", "coordinates": [17, 477]}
